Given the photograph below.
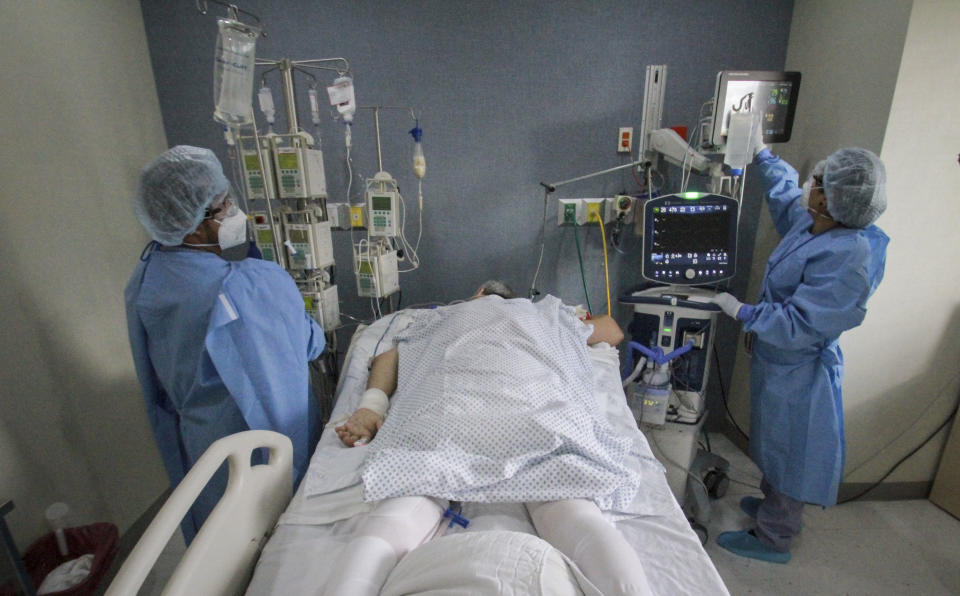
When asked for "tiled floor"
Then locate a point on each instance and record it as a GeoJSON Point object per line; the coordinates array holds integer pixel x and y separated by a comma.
{"type": "Point", "coordinates": [871, 547]}
{"type": "Point", "coordinates": [868, 547]}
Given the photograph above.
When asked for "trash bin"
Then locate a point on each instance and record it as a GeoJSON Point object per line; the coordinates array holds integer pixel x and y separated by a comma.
{"type": "Point", "coordinates": [99, 539]}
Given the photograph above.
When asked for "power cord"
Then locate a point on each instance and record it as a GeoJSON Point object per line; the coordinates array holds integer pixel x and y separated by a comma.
{"type": "Point", "coordinates": [903, 459]}
{"type": "Point", "coordinates": [723, 395]}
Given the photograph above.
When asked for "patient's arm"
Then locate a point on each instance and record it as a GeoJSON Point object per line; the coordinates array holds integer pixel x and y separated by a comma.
{"type": "Point", "coordinates": [364, 423]}
{"type": "Point", "coordinates": [604, 329]}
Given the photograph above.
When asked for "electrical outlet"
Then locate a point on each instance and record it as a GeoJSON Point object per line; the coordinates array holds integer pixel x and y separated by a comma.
{"type": "Point", "coordinates": [625, 140]}
{"type": "Point", "coordinates": [567, 212]}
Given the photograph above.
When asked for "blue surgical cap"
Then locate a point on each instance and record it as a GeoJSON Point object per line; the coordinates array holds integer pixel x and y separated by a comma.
{"type": "Point", "coordinates": [175, 189]}
{"type": "Point", "coordinates": [855, 181]}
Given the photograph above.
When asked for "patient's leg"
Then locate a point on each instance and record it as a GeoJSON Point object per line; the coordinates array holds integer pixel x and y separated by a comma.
{"type": "Point", "coordinates": [576, 528]}
{"type": "Point", "coordinates": [394, 528]}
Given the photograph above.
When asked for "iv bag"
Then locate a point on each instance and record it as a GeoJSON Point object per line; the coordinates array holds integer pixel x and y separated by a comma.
{"type": "Point", "coordinates": [342, 95]}
{"type": "Point", "coordinates": [233, 65]}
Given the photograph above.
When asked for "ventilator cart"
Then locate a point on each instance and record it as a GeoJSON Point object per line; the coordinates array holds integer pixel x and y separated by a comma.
{"type": "Point", "coordinates": [689, 244]}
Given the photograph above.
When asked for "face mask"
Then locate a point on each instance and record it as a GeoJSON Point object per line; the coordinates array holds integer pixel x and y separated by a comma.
{"type": "Point", "coordinates": [805, 202]}
{"type": "Point", "coordinates": [233, 230]}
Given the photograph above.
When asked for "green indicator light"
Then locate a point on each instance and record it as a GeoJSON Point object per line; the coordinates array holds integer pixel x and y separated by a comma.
{"type": "Point", "coordinates": [667, 330]}
{"type": "Point", "coordinates": [692, 195]}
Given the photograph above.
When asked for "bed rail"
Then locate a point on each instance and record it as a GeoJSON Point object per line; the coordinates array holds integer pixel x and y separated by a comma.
{"type": "Point", "coordinates": [221, 558]}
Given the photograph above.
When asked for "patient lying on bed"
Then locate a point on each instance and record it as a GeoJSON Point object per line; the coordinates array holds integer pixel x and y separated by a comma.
{"type": "Point", "coordinates": [491, 400]}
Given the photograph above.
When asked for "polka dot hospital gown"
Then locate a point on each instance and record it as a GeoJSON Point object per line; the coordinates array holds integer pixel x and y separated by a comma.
{"type": "Point", "coordinates": [495, 403]}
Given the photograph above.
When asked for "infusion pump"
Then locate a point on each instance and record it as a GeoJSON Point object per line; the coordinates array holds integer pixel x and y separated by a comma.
{"type": "Point", "coordinates": [290, 169]}
{"type": "Point", "coordinates": [259, 180]}
{"type": "Point", "coordinates": [299, 168]}
{"type": "Point", "coordinates": [309, 240]}
{"type": "Point", "coordinates": [321, 302]}
{"type": "Point", "coordinates": [264, 235]}
{"type": "Point", "coordinates": [375, 267]}
{"type": "Point", "coordinates": [382, 196]}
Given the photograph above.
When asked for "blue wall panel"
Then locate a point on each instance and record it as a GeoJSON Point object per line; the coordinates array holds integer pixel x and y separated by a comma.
{"type": "Point", "coordinates": [512, 94]}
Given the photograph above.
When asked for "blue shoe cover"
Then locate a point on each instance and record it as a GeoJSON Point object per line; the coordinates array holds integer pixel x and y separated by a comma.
{"type": "Point", "coordinates": [746, 544]}
{"type": "Point", "coordinates": [750, 505]}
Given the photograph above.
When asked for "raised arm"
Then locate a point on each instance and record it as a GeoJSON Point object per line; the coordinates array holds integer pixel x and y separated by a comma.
{"type": "Point", "coordinates": [367, 420]}
{"type": "Point", "coordinates": [782, 190]}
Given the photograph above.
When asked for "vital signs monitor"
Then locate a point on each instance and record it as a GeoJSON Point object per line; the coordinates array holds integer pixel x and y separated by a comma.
{"type": "Point", "coordinates": [690, 238]}
{"type": "Point", "coordinates": [770, 93]}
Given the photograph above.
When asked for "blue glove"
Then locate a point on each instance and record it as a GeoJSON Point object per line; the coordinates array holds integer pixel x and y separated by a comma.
{"type": "Point", "coordinates": [728, 304]}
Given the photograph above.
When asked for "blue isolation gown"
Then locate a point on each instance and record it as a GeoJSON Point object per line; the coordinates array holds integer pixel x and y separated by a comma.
{"type": "Point", "coordinates": [220, 347]}
{"type": "Point", "coordinates": [815, 288]}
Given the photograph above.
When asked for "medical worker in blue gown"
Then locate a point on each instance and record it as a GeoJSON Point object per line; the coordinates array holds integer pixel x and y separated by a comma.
{"type": "Point", "coordinates": [219, 346]}
{"type": "Point", "coordinates": [817, 282]}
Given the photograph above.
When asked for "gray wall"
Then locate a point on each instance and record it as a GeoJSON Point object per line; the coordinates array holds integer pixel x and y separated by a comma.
{"type": "Point", "coordinates": [80, 112]}
{"type": "Point", "coordinates": [512, 94]}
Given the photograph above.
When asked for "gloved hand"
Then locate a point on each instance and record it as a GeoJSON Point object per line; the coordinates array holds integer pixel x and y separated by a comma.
{"type": "Point", "coordinates": [727, 303]}
{"type": "Point", "coordinates": [757, 140]}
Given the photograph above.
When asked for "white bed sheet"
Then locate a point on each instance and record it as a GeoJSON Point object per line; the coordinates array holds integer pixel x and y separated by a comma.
{"type": "Point", "coordinates": [297, 558]}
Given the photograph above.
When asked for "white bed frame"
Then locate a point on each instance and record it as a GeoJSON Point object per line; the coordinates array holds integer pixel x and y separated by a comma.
{"type": "Point", "coordinates": [221, 558]}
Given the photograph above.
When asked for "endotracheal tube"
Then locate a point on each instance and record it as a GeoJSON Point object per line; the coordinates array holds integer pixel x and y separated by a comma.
{"type": "Point", "coordinates": [419, 162]}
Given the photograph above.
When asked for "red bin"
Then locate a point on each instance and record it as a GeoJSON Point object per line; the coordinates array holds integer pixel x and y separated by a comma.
{"type": "Point", "coordinates": [43, 556]}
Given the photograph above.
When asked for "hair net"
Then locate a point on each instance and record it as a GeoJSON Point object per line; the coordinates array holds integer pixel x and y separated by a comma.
{"type": "Point", "coordinates": [175, 189]}
{"type": "Point", "coordinates": [854, 181]}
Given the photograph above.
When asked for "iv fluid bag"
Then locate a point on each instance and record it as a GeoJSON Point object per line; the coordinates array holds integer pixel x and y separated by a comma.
{"type": "Point", "coordinates": [419, 162]}
{"type": "Point", "coordinates": [233, 72]}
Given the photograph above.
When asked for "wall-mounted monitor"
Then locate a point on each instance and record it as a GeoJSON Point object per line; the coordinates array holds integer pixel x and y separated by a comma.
{"type": "Point", "coordinates": [772, 94]}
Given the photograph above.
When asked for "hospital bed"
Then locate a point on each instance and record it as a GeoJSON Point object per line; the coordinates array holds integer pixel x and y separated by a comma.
{"type": "Point", "coordinates": [260, 540]}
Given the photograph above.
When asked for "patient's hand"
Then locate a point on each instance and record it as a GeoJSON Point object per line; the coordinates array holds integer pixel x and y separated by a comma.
{"type": "Point", "coordinates": [363, 424]}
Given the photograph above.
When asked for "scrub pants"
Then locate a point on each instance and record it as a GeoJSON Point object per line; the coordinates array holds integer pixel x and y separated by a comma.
{"type": "Point", "coordinates": [575, 527]}
{"type": "Point", "coordinates": [778, 518]}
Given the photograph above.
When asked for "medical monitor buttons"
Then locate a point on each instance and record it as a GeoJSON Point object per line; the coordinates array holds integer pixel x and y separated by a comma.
{"type": "Point", "coordinates": [690, 274]}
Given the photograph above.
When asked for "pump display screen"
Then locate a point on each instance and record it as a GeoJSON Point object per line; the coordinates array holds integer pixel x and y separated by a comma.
{"type": "Point", "coordinates": [288, 160]}
{"type": "Point", "coordinates": [252, 162]}
{"type": "Point", "coordinates": [690, 239]}
{"type": "Point", "coordinates": [771, 94]}
{"type": "Point", "coordinates": [381, 203]}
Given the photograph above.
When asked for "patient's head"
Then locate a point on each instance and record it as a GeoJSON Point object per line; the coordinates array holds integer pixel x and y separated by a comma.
{"type": "Point", "coordinates": [495, 287]}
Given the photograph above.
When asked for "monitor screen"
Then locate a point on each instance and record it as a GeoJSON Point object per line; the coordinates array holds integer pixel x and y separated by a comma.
{"type": "Point", "coordinates": [690, 238]}
{"type": "Point", "coordinates": [381, 203]}
{"type": "Point", "coordinates": [770, 93]}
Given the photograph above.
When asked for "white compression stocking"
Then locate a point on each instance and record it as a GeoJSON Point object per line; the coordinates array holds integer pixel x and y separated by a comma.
{"type": "Point", "coordinates": [391, 530]}
{"type": "Point", "coordinates": [576, 528]}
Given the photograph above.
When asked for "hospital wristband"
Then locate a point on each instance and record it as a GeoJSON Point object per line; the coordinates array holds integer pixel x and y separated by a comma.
{"type": "Point", "coordinates": [376, 400]}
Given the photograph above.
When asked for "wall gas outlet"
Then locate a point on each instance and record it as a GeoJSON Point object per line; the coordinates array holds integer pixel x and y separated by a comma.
{"type": "Point", "coordinates": [594, 210]}
{"type": "Point", "coordinates": [620, 207]}
{"type": "Point", "coordinates": [569, 212]}
{"type": "Point", "coordinates": [357, 217]}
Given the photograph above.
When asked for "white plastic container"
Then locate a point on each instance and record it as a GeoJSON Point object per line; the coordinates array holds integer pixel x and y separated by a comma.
{"type": "Point", "coordinates": [56, 515]}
